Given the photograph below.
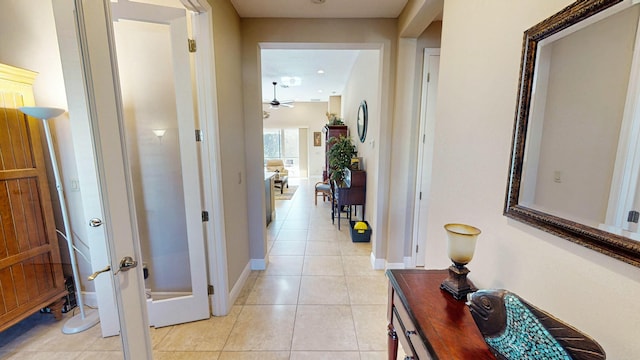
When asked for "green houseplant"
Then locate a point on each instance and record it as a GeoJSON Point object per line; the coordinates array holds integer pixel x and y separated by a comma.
{"type": "Point", "coordinates": [340, 154]}
{"type": "Point", "coordinates": [333, 119]}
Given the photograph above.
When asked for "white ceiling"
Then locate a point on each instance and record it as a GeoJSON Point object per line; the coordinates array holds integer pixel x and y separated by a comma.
{"type": "Point", "coordinates": [330, 9]}
{"type": "Point", "coordinates": [305, 63]}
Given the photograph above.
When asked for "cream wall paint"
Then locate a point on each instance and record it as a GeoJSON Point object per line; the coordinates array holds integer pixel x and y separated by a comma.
{"type": "Point", "coordinates": [310, 115]}
{"type": "Point", "coordinates": [480, 58]}
{"type": "Point", "coordinates": [364, 84]}
{"type": "Point", "coordinates": [36, 48]}
{"type": "Point", "coordinates": [235, 179]}
{"type": "Point", "coordinates": [585, 155]}
{"type": "Point", "coordinates": [327, 33]}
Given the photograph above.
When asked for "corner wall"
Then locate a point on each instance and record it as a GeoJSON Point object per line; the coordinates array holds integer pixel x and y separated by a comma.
{"type": "Point", "coordinates": [479, 67]}
{"type": "Point", "coordinates": [227, 40]}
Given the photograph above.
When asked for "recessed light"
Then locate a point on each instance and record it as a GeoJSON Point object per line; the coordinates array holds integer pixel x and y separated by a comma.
{"type": "Point", "coordinates": [320, 71]}
{"type": "Point", "coordinates": [291, 80]}
{"type": "Point", "coordinates": [320, 91]}
{"type": "Point", "coordinates": [318, 1]}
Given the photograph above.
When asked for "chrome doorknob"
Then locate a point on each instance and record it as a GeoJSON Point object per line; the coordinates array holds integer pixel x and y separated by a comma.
{"type": "Point", "coordinates": [127, 263]}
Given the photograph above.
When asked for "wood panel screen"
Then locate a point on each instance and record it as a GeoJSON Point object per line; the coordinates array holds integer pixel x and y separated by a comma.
{"type": "Point", "coordinates": [30, 270]}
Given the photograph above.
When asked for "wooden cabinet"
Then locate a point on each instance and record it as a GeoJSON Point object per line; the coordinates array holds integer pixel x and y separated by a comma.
{"type": "Point", "coordinates": [331, 131]}
{"type": "Point", "coordinates": [30, 270]}
{"type": "Point", "coordinates": [429, 322]}
{"type": "Point", "coordinates": [351, 194]}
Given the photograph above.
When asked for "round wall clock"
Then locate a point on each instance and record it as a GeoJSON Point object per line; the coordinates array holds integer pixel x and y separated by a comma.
{"type": "Point", "coordinates": [363, 115]}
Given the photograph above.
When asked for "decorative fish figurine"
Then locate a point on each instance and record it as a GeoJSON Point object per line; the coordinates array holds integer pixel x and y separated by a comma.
{"type": "Point", "coordinates": [517, 330]}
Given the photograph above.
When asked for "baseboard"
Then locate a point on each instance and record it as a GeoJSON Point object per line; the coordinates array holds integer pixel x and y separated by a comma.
{"type": "Point", "coordinates": [258, 264]}
{"type": "Point", "coordinates": [90, 299]}
{"type": "Point", "coordinates": [377, 264]}
{"type": "Point", "coordinates": [395, 266]}
{"type": "Point", "coordinates": [239, 285]}
{"type": "Point", "coordinates": [408, 262]}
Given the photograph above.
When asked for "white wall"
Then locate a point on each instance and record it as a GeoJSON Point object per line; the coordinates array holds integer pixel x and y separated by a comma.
{"type": "Point", "coordinates": [364, 84]}
{"type": "Point", "coordinates": [479, 67]}
{"type": "Point", "coordinates": [310, 115]}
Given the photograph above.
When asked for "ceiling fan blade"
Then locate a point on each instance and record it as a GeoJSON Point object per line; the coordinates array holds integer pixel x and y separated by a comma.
{"type": "Point", "coordinates": [286, 105]}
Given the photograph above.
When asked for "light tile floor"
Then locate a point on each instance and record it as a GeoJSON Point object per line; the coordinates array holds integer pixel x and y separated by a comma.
{"type": "Point", "coordinates": [318, 299]}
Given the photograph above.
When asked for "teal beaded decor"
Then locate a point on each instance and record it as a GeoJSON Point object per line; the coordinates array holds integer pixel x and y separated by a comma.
{"type": "Point", "coordinates": [524, 337]}
{"type": "Point", "coordinates": [516, 330]}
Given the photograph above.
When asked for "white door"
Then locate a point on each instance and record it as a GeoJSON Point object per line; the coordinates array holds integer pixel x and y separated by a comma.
{"type": "Point", "coordinates": [430, 71]}
{"type": "Point", "coordinates": [159, 126]}
{"type": "Point", "coordinates": [118, 196]}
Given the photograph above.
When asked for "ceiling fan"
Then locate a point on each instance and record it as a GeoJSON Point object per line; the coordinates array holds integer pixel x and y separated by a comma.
{"type": "Point", "coordinates": [275, 104]}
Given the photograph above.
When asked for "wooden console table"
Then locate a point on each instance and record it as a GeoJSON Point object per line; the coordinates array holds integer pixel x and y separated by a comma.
{"type": "Point", "coordinates": [352, 193]}
{"type": "Point", "coordinates": [428, 322]}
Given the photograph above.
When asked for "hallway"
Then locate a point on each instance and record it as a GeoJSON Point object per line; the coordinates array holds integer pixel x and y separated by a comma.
{"type": "Point", "coordinates": [318, 299]}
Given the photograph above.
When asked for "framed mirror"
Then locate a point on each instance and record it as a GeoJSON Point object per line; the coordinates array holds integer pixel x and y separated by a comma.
{"type": "Point", "coordinates": [363, 120]}
{"type": "Point", "coordinates": [575, 158]}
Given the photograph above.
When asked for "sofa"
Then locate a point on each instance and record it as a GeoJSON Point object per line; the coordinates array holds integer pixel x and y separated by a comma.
{"type": "Point", "coordinates": [277, 166]}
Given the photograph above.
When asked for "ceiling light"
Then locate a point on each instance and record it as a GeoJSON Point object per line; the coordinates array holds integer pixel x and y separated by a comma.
{"type": "Point", "coordinates": [320, 71]}
{"type": "Point", "coordinates": [291, 80]}
{"type": "Point", "coordinates": [320, 91]}
{"type": "Point", "coordinates": [318, 1]}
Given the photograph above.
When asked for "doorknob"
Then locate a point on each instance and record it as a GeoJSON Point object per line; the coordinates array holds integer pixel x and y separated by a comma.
{"type": "Point", "coordinates": [127, 263]}
{"type": "Point", "coordinates": [95, 274]}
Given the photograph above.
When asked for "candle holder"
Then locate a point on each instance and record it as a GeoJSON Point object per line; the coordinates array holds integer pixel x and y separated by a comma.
{"type": "Point", "coordinates": [461, 246]}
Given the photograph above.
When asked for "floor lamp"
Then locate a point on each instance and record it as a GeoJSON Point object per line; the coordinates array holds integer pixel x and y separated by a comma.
{"type": "Point", "coordinates": [84, 320]}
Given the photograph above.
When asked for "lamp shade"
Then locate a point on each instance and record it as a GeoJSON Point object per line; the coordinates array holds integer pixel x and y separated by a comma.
{"type": "Point", "coordinates": [462, 242]}
{"type": "Point", "coordinates": [43, 113]}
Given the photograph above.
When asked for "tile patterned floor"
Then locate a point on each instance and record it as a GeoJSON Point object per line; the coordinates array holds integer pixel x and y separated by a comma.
{"type": "Point", "coordinates": [318, 299]}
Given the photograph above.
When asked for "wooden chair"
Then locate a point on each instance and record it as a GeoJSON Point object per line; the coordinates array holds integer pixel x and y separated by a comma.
{"type": "Point", "coordinates": [323, 188]}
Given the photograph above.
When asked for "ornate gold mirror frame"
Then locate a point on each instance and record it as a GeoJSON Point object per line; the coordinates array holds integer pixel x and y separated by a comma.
{"type": "Point", "coordinates": [616, 246]}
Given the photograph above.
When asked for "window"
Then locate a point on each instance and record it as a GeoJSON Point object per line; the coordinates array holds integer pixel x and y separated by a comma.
{"type": "Point", "coordinates": [283, 144]}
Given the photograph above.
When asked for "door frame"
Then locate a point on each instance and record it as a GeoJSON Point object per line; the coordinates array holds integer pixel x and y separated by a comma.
{"type": "Point", "coordinates": [425, 144]}
{"type": "Point", "coordinates": [86, 149]}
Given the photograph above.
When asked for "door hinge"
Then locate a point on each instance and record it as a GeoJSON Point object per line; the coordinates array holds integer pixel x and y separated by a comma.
{"type": "Point", "coordinates": [428, 77]}
{"type": "Point", "coordinates": [205, 216]}
{"type": "Point", "coordinates": [192, 45]}
{"type": "Point", "coordinates": [424, 138]}
{"type": "Point", "coordinates": [633, 216]}
{"type": "Point", "coordinates": [417, 247]}
{"type": "Point", "coordinates": [199, 135]}
{"type": "Point", "coordinates": [420, 197]}
{"type": "Point", "coordinates": [210, 289]}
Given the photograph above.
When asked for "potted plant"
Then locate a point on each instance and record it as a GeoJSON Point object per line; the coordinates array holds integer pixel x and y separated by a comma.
{"type": "Point", "coordinates": [333, 119]}
{"type": "Point", "coordinates": [340, 154]}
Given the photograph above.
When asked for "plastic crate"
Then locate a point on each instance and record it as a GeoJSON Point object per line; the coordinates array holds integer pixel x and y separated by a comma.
{"type": "Point", "coordinates": [360, 235]}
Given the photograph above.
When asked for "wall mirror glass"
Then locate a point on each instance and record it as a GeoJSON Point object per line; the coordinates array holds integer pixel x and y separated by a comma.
{"type": "Point", "coordinates": [363, 120]}
{"type": "Point", "coordinates": [575, 158]}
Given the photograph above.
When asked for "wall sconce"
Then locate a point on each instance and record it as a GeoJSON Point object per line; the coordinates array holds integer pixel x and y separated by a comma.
{"type": "Point", "coordinates": [461, 246]}
{"type": "Point", "coordinates": [159, 133]}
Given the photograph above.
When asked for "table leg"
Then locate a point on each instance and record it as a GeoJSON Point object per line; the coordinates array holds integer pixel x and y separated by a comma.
{"type": "Point", "coordinates": [56, 309]}
{"type": "Point", "coordinates": [392, 346]}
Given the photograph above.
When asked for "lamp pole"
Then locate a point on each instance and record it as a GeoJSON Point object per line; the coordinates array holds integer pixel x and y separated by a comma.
{"type": "Point", "coordinates": [84, 321]}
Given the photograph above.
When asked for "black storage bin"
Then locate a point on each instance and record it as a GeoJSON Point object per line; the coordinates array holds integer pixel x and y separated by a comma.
{"type": "Point", "coordinates": [357, 236]}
